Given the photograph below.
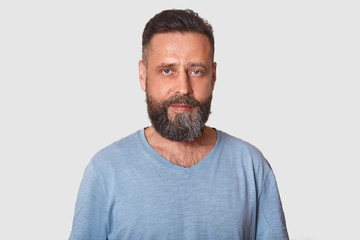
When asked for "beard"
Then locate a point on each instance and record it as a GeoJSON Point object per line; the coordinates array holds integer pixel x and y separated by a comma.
{"type": "Point", "coordinates": [183, 127]}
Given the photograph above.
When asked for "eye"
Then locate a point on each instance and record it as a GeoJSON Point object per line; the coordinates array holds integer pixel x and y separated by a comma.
{"type": "Point", "coordinates": [166, 71]}
{"type": "Point", "coordinates": [196, 72]}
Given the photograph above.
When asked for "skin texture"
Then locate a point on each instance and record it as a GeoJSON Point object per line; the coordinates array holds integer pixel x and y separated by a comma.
{"type": "Point", "coordinates": [179, 64]}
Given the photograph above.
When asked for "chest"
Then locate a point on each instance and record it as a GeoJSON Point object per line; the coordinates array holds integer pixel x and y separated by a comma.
{"type": "Point", "coordinates": [210, 205]}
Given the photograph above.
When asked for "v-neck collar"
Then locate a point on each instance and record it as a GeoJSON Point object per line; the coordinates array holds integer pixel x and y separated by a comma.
{"type": "Point", "coordinates": [155, 155]}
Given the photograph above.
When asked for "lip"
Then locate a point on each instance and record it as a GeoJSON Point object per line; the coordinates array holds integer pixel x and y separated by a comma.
{"type": "Point", "coordinates": [181, 107]}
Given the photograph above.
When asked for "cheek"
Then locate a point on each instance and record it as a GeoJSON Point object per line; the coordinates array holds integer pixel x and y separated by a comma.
{"type": "Point", "coordinates": [202, 92]}
{"type": "Point", "coordinates": [158, 92]}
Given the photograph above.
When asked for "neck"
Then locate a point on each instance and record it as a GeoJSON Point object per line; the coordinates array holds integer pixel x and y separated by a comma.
{"type": "Point", "coordinates": [185, 154]}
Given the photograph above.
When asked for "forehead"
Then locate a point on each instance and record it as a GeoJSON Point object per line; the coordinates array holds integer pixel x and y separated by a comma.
{"type": "Point", "coordinates": [179, 45]}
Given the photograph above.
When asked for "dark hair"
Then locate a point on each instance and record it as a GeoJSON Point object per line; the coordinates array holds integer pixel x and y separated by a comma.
{"type": "Point", "coordinates": [176, 21]}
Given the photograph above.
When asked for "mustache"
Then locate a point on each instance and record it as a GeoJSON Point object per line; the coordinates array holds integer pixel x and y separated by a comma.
{"type": "Point", "coordinates": [182, 99]}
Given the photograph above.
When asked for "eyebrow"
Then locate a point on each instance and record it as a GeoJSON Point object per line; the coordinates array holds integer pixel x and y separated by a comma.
{"type": "Point", "coordinates": [166, 65]}
{"type": "Point", "coordinates": [190, 65]}
{"type": "Point", "coordinates": [197, 65]}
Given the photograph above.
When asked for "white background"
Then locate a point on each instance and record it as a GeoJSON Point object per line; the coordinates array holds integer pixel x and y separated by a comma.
{"type": "Point", "coordinates": [288, 74]}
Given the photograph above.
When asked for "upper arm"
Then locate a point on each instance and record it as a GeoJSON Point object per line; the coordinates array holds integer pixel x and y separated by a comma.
{"type": "Point", "coordinates": [270, 217]}
{"type": "Point", "coordinates": [90, 218]}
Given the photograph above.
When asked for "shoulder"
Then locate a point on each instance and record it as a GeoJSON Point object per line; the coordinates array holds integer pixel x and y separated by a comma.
{"type": "Point", "coordinates": [243, 154]}
{"type": "Point", "coordinates": [246, 160]}
{"type": "Point", "coordinates": [118, 153]}
{"type": "Point", "coordinates": [236, 145]}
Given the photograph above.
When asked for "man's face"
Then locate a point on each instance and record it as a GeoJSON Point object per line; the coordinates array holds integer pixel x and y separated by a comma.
{"type": "Point", "coordinates": [178, 78]}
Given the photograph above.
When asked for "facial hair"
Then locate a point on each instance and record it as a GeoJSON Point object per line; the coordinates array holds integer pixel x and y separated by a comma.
{"type": "Point", "coordinates": [183, 127]}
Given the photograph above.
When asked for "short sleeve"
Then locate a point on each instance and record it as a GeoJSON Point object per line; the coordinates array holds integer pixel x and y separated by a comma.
{"type": "Point", "coordinates": [270, 217]}
{"type": "Point", "coordinates": [90, 218]}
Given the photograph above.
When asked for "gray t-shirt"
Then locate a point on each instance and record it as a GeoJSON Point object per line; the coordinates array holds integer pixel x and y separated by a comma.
{"type": "Point", "coordinates": [129, 191]}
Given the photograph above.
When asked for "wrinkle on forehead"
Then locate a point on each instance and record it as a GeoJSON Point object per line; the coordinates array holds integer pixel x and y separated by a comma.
{"type": "Point", "coordinates": [180, 39]}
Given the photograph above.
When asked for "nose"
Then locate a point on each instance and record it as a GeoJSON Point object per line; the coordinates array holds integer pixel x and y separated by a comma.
{"type": "Point", "coordinates": [183, 84]}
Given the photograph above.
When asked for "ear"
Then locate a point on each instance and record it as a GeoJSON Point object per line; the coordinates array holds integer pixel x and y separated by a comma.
{"type": "Point", "coordinates": [213, 79]}
{"type": "Point", "coordinates": [142, 75]}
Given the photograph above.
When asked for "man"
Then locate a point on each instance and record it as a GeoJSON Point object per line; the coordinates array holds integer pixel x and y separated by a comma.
{"type": "Point", "coordinates": [178, 179]}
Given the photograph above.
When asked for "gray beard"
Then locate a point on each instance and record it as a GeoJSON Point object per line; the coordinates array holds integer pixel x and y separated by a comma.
{"type": "Point", "coordinates": [185, 127]}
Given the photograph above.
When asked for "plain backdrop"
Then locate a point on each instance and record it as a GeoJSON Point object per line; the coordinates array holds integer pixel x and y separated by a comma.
{"type": "Point", "coordinates": [288, 82]}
